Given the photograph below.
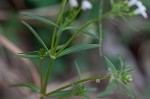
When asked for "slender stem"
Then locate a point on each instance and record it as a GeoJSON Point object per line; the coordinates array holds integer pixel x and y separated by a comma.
{"type": "Point", "coordinates": [74, 16]}
{"type": "Point", "coordinates": [100, 27]}
{"type": "Point", "coordinates": [58, 20]}
{"type": "Point", "coordinates": [41, 78]}
{"type": "Point", "coordinates": [78, 82]}
{"type": "Point", "coordinates": [68, 42]}
{"type": "Point", "coordinates": [58, 39]}
{"type": "Point", "coordinates": [47, 76]}
{"type": "Point", "coordinates": [75, 34]}
{"type": "Point", "coordinates": [42, 97]}
{"type": "Point", "coordinates": [64, 25]}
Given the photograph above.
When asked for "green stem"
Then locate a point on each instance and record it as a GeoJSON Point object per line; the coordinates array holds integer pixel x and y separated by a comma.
{"type": "Point", "coordinates": [58, 20]}
{"type": "Point", "coordinates": [47, 76]}
{"type": "Point", "coordinates": [58, 39]}
{"type": "Point", "coordinates": [41, 97]}
{"type": "Point", "coordinates": [100, 27]}
{"type": "Point", "coordinates": [64, 25]}
{"type": "Point", "coordinates": [78, 82]}
{"type": "Point", "coordinates": [41, 78]}
{"type": "Point", "coordinates": [73, 17]}
{"type": "Point", "coordinates": [75, 34]}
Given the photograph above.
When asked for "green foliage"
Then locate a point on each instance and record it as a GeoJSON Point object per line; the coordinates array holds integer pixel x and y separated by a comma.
{"type": "Point", "coordinates": [111, 65]}
{"type": "Point", "coordinates": [118, 76]}
{"type": "Point", "coordinates": [67, 51]}
{"type": "Point", "coordinates": [35, 34]}
{"type": "Point", "coordinates": [38, 18]}
{"type": "Point", "coordinates": [78, 48]}
{"type": "Point", "coordinates": [86, 32]}
{"type": "Point", "coordinates": [28, 85]}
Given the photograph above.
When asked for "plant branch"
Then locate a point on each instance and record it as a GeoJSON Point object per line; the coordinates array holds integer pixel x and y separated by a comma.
{"type": "Point", "coordinates": [47, 76]}
{"type": "Point", "coordinates": [78, 82]}
{"type": "Point", "coordinates": [58, 20]}
{"type": "Point", "coordinates": [83, 27]}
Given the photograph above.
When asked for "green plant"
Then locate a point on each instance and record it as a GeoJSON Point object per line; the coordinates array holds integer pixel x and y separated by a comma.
{"type": "Point", "coordinates": [118, 77]}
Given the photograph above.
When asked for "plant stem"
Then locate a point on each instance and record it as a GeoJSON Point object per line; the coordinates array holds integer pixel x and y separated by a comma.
{"type": "Point", "coordinates": [66, 23]}
{"type": "Point", "coordinates": [58, 20]}
{"type": "Point", "coordinates": [75, 34]}
{"type": "Point", "coordinates": [47, 76]}
{"type": "Point", "coordinates": [41, 97]}
{"type": "Point", "coordinates": [41, 78]}
{"type": "Point", "coordinates": [58, 39]}
{"type": "Point", "coordinates": [100, 29]}
{"type": "Point", "coordinates": [78, 82]}
{"type": "Point", "coordinates": [73, 17]}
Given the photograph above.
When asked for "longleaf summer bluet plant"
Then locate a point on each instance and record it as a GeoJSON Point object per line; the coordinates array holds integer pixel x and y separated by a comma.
{"type": "Point", "coordinates": [120, 77]}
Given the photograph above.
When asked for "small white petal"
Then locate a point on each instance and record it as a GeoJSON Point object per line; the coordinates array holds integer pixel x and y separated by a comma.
{"type": "Point", "coordinates": [141, 7]}
{"type": "Point", "coordinates": [139, 3]}
{"type": "Point", "coordinates": [132, 2]}
{"type": "Point", "coordinates": [86, 5]}
{"type": "Point", "coordinates": [73, 3]}
{"type": "Point", "coordinates": [141, 12]}
{"type": "Point", "coordinates": [144, 14]}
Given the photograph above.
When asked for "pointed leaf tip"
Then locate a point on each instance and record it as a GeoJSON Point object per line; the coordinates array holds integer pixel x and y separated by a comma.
{"type": "Point", "coordinates": [110, 65]}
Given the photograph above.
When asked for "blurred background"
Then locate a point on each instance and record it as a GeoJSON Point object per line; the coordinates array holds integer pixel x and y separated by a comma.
{"type": "Point", "coordinates": [128, 38]}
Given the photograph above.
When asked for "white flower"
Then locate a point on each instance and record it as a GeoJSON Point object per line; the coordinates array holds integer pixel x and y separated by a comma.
{"type": "Point", "coordinates": [141, 10]}
{"type": "Point", "coordinates": [74, 3]}
{"type": "Point", "coordinates": [86, 5]}
{"type": "Point", "coordinates": [132, 2]}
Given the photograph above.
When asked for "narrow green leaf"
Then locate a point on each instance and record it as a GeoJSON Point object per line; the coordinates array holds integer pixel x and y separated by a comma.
{"type": "Point", "coordinates": [131, 92]}
{"type": "Point", "coordinates": [35, 34]}
{"type": "Point", "coordinates": [91, 90]}
{"type": "Point", "coordinates": [38, 18]}
{"type": "Point", "coordinates": [78, 48]}
{"type": "Point", "coordinates": [128, 69]}
{"type": "Point", "coordinates": [110, 65]}
{"type": "Point", "coordinates": [84, 31]}
{"type": "Point", "coordinates": [78, 69]}
{"type": "Point", "coordinates": [27, 56]}
{"type": "Point", "coordinates": [29, 85]}
{"type": "Point", "coordinates": [62, 93]}
{"type": "Point", "coordinates": [32, 52]}
{"type": "Point", "coordinates": [122, 64]}
{"type": "Point", "coordinates": [108, 90]}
